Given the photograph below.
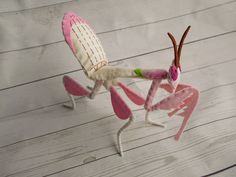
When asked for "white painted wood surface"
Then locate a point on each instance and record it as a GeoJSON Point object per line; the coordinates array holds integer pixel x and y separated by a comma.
{"type": "Point", "coordinates": [38, 137]}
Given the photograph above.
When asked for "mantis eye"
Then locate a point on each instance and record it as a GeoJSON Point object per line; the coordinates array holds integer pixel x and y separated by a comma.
{"type": "Point", "coordinates": [173, 71]}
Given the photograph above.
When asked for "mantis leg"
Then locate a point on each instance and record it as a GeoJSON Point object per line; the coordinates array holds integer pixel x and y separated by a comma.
{"type": "Point", "coordinates": [132, 95]}
{"type": "Point", "coordinates": [96, 88]}
{"type": "Point", "coordinates": [149, 121]}
{"type": "Point", "coordinates": [151, 93]}
{"type": "Point", "coordinates": [73, 89]}
{"type": "Point", "coordinates": [122, 111]}
{"type": "Point", "coordinates": [184, 98]}
{"type": "Point", "coordinates": [72, 101]}
{"type": "Point", "coordinates": [126, 125]}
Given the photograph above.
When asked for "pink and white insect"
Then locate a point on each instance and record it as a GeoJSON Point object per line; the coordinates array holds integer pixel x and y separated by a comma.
{"type": "Point", "coordinates": [89, 52]}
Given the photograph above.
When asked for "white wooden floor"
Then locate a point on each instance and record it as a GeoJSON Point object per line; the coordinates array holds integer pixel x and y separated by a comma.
{"type": "Point", "coordinates": [38, 137]}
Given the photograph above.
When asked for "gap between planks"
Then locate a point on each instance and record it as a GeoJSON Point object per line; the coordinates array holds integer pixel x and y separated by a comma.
{"type": "Point", "coordinates": [123, 28]}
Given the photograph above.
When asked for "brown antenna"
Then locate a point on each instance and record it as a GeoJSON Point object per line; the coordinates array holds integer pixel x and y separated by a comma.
{"type": "Point", "coordinates": [182, 41]}
{"type": "Point", "coordinates": [176, 59]}
{"type": "Point", "coordinates": [178, 51]}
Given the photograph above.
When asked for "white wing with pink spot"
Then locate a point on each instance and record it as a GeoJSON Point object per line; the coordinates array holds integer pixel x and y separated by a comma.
{"type": "Point", "coordinates": [84, 43]}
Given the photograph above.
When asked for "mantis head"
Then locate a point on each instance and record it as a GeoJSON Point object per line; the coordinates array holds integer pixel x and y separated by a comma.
{"type": "Point", "coordinates": [175, 68]}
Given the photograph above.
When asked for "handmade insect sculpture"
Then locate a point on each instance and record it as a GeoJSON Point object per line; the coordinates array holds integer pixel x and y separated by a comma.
{"type": "Point", "coordinates": [89, 52]}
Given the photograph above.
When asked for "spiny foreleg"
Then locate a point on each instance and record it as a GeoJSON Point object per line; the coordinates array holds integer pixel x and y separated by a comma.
{"type": "Point", "coordinates": [185, 98]}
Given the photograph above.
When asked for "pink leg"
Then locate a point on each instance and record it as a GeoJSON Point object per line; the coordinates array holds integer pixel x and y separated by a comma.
{"type": "Point", "coordinates": [132, 95]}
{"type": "Point", "coordinates": [168, 88]}
{"type": "Point", "coordinates": [151, 93]}
{"type": "Point", "coordinates": [123, 112]}
{"type": "Point", "coordinates": [73, 89]}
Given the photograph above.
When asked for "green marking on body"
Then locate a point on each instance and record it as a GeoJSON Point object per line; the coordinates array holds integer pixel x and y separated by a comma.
{"type": "Point", "coordinates": [138, 72]}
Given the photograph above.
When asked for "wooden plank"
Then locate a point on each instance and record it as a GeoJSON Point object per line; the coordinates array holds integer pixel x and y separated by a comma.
{"type": "Point", "coordinates": [74, 146]}
{"type": "Point", "coordinates": [226, 172]}
{"type": "Point", "coordinates": [55, 118]}
{"type": "Point", "coordinates": [53, 141]}
{"type": "Point", "coordinates": [15, 6]}
{"type": "Point", "coordinates": [195, 157]}
{"type": "Point", "coordinates": [46, 22]}
{"type": "Point", "coordinates": [33, 64]}
{"type": "Point", "coordinates": [47, 92]}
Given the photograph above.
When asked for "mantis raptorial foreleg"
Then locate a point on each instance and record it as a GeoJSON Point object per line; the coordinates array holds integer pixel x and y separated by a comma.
{"type": "Point", "coordinates": [185, 97]}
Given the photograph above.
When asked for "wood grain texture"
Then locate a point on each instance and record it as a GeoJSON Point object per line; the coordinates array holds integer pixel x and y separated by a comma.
{"type": "Point", "coordinates": [51, 91]}
{"type": "Point", "coordinates": [210, 109]}
{"type": "Point", "coordinates": [227, 172]}
{"type": "Point", "coordinates": [72, 147]}
{"type": "Point", "coordinates": [46, 21]}
{"type": "Point", "coordinates": [188, 158]}
{"type": "Point", "coordinates": [38, 137]}
{"type": "Point", "coordinates": [17, 6]}
{"type": "Point", "coordinates": [45, 61]}
{"type": "Point", "coordinates": [46, 89]}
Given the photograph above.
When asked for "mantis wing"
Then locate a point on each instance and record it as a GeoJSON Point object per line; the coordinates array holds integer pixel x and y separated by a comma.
{"type": "Point", "coordinates": [84, 43]}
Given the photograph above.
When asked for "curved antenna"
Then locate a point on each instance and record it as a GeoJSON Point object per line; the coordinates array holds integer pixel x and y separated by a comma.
{"type": "Point", "coordinates": [182, 41]}
{"type": "Point", "coordinates": [176, 59]}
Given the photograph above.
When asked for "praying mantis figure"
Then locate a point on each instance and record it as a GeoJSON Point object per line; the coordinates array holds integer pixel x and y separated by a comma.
{"type": "Point", "coordinates": [89, 52]}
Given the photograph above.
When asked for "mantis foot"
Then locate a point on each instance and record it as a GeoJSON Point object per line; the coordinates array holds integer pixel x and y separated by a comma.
{"type": "Point", "coordinates": [149, 121]}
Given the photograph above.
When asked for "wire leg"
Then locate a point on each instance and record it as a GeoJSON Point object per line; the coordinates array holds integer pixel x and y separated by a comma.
{"type": "Point", "coordinates": [72, 104]}
{"type": "Point", "coordinates": [120, 148]}
{"type": "Point", "coordinates": [90, 88]}
{"type": "Point", "coordinates": [95, 89]}
{"type": "Point", "coordinates": [73, 88]}
{"type": "Point", "coordinates": [149, 121]}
